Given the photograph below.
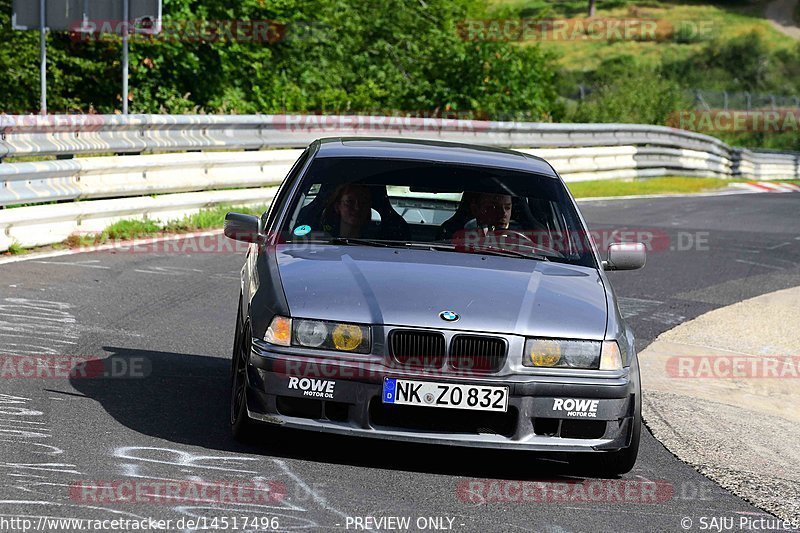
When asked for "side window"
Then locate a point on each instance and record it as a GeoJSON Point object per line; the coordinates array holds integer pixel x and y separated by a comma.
{"type": "Point", "coordinates": [268, 218]}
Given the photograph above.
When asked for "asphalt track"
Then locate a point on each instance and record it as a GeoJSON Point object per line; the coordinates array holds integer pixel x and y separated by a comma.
{"type": "Point", "coordinates": [175, 314]}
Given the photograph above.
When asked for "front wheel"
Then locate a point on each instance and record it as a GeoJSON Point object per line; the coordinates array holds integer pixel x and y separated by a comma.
{"type": "Point", "coordinates": [613, 464]}
{"type": "Point", "coordinates": [242, 426]}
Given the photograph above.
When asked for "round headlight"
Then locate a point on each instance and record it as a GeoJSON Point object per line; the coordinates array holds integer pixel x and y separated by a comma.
{"type": "Point", "coordinates": [310, 333]}
{"type": "Point", "coordinates": [581, 354]}
{"type": "Point", "coordinates": [347, 337]}
{"type": "Point", "coordinates": [545, 352]}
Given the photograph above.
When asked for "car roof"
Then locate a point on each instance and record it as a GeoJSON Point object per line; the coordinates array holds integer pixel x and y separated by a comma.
{"type": "Point", "coordinates": [429, 150]}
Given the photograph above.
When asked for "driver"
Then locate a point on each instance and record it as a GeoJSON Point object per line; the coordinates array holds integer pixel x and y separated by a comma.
{"type": "Point", "coordinates": [487, 211]}
{"type": "Point", "coordinates": [492, 211]}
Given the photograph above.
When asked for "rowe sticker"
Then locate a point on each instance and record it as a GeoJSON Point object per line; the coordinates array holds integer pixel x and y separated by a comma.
{"type": "Point", "coordinates": [577, 408]}
{"type": "Point", "coordinates": [317, 388]}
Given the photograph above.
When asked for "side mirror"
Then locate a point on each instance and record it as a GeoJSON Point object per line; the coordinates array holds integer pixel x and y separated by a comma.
{"type": "Point", "coordinates": [245, 228]}
{"type": "Point", "coordinates": [625, 256]}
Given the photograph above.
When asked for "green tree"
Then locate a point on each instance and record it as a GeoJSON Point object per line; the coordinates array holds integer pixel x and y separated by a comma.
{"type": "Point", "coordinates": [335, 56]}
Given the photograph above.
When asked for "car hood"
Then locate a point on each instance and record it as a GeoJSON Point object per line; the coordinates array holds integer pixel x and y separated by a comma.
{"type": "Point", "coordinates": [411, 287]}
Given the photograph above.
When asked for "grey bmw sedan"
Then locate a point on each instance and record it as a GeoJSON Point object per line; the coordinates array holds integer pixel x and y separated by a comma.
{"type": "Point", "coordinates": [438, 293]}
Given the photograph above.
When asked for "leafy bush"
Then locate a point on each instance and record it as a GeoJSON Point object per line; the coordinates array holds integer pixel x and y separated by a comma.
{"type": "Point", "coordinates": [688, 34]}
{"type": "Point", "coordinates": [353, 56]}
{"type": "Point", "coordinates": [745, 63]}
{"type": "Point", "coordinates": [629, 93]}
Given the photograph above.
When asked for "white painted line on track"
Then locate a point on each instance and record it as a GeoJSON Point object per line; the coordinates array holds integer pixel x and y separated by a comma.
{"type": "Point", "coordinates": [322, 502]}
{"type": "Point", "coordinates": [781, 245]}
{"type": "Point", "coordinates": [105, 247]}
{"type": "Point", "coordinates": [724, 192]}
{"type": "Point", "coordinates": [758, 264]}
{"type": "Point", "coordinates": [73, 263]}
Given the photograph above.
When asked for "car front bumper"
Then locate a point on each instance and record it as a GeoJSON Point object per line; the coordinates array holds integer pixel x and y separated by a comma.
{"type": "Point", "coordinates": [348, 401]}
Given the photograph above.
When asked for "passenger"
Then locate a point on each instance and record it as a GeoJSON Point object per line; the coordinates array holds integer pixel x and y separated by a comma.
{"type": "Point", "coordinates": [348, 211]}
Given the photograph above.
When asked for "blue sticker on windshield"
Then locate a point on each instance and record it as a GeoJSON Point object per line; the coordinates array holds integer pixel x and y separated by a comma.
{"type": "Point", "coordinates": [302, 230]}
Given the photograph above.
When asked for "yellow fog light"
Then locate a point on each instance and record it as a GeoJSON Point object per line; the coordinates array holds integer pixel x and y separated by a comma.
{"type": "Point", "coordinates": [543, 352]}
{"type": "Point", "coordinates": [347, 337]}
{"type": "Point", "coordinates": [279, 331]}
{"type": "Point", "coordinates": [610, 356]}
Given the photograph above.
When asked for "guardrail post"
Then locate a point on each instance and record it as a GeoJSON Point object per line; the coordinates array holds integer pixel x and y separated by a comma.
{"type": "Point", "coordinates": [797, 167]}
{"type": "Point", "coordinates": [736, 163]}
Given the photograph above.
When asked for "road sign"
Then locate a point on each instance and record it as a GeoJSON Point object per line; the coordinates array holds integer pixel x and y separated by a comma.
{"type": "Point", "coordinates": [93, 16]}
{"type": "Point", "coordinates": [87, 15]}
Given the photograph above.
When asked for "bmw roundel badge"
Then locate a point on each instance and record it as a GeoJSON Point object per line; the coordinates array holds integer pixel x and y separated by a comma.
{"type": "Point", "coordinates": [448, 316]}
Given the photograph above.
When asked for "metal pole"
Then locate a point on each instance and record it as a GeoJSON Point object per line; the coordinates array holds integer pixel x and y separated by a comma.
{"type": "Point", "coordinates": [42, 59]}
{"type": "Point", "coordinates": [127, 17]}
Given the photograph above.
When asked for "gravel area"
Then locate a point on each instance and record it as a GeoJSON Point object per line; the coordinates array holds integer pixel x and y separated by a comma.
{"type": "Point", "coordinates": [722, 392]}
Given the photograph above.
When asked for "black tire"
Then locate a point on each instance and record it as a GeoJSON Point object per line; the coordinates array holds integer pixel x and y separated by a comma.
{"type": "Point", "coordinates": [242, 426]}
{"type": "Point", "coordinates": [613, 464]}
{"type": "Point", "coordinates": [622, 461]}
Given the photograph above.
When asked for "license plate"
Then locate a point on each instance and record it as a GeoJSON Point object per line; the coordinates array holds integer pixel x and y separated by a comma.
{"type": "Point", "coordinates": [446, 395]}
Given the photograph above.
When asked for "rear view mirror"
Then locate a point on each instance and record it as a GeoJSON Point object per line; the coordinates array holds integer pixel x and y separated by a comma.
{"type": "Point", "coordinates": [245, 228]}
{"type": "Point", "coordinates": [625, 256]}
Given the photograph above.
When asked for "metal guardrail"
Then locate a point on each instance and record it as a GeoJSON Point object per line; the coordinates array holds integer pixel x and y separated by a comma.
{"type": "Point", "coordinates": [110, 177]}
{"type": "Point", "coordinates": [41, 225]}
{"type": "Point", "coordinates": [137, 134]}
{"type": "Point", "coordinates": [195, 160]}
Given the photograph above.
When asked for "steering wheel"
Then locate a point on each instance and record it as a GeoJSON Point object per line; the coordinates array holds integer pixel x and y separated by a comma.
{"type": "Point", "coordinates": [518, 239]}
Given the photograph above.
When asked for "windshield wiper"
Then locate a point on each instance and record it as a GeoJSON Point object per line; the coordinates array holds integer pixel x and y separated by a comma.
{"type": "Point", "coordinates": [438, 247]}
{"type": "Point", "coordinates": [488, 250]}
{"type": "Point", "coordinates": [391, 244]}
{"type": "Point", "coordinates": [491, 250]}
{"type": "Point", "coordinates": [353, 241]}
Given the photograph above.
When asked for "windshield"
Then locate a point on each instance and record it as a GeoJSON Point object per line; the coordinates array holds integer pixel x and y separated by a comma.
{"type": "Point", "coordinates": [458, 208]}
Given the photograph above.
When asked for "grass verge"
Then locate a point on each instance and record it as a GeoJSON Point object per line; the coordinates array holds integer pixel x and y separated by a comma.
{"type": "Point", "coordinates": [15, 249]}
{"type": "Point", "coordinates": [135, 229]}
{"type": "Point", "coordinates": [693, 24]}
{"type": "Point", "coordinates": [629, 187]}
